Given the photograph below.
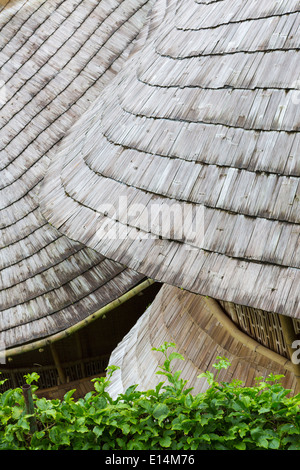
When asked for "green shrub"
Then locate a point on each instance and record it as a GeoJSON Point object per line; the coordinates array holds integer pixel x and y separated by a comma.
{"type": "Point", "coordinates": [226, 416]}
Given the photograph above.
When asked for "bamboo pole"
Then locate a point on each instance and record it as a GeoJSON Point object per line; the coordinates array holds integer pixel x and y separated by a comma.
{"type": "Point", "coordinates": [29, 406]}
{"type": "Point", "coordinates": [251, 343]}
{"type": "Point", "coordinates": [72, 329]}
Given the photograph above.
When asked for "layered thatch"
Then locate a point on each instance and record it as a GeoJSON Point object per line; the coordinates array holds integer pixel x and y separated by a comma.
{"type": "Point", "coordinates": [56, 56]}
{"type": "Point", "coordinates": [174, 150]}
{"type": "Point", "coordinates": [204, 115]}
{"type": "Point", "coordinates": [186, 320]}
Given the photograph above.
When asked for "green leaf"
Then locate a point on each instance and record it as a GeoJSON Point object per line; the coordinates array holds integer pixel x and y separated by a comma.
{"type": "Point", "coordinates": [274, 443]}
{"type": "Point", "coordinates": [39, 434]}
{"type": "Point", "coordinates": [98, 430]}
{"type": "Point", "coordinates": [51, 413]}
{"type": "Point", "coordinates": [206, 418]}
{"type": "Point", "coordinates": [177, 422]}
{"type": "Point", "coordinates": [161, 411]}
{"type": "Point", "coordinates": [146, 405]}
{"type": "Point", "coordinates": [112, 368]}
{"type": "Point", "coordinates": [68, 396]}
{"type": "Point", "coordinates": [64, 438]}
{"type": "Point", "coordinates": [43, 404]}
{"type": "Point", "coordinates": [34, 377]}
{"type": "Point", "coordinates": [164, 347]}
{"type": "Point", "coordinates": [263, 437]}
{"type": "Point", "coordinates": [264, 409]}
{"type": "Point", "coordinates": [80, 425]}
{"type": "Point", "coordinates": [256, 433]}
{"type": "Point", "coordinates": [187, 425]}
{"type": "Point", "coordinates": [243, 429]}
{"type": "Point", "coordinates": [23, 423]}
{"type": "Point", "coordinates": [130, 389]}
{"type": "Point", "coordinates": [263, 442]}
{"type": "Point", "coordinates": [121, 442]}
{"type": "Point", "coordinates": [100, 402]}
{"type": "Point", "coordinates": [54, 435]}
{"type": "Point", "coordinates": [136, 445]}
{"type": "Point", "coordinates": [8, 398]}
{"type": "Point", "coordinates": [240, 446]}
{"type": "Point", "coordinates": [165, 441]}
{"type": "Point", "coordinates": [220, 446]}
{"type": "Point", "coordinates": [16, 412]}
{"type": "Point", "coordinates": [223, 363]}
{"type": "Point", "coordinates": [288, 429]}
{"type": "Point", "coordinates": [175, 355]}
{"type": "Point", "coordinates": [188, 401]}
{"type": "Point", "coordinates": [125, 428]}
{"type": "Point", "coordinates": [209, 377]}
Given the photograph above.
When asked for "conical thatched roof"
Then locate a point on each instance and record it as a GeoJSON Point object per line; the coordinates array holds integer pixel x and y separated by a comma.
{"type": "Point", "coordinates": [55, 58]}
{"type": "Point", "coordinates": [203, 120]}
{"type": "Point", "coordinates": [186, 320]}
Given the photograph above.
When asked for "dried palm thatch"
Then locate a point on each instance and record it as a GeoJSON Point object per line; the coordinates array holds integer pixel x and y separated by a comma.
{"type": "Point", "coordinates": [185, 319]}
{"type": "Point", "coordinates": [186, 169]}
{"type": "Point", "coordinates": [55, 58]}
{"type": "Point", "coordinates": [203, 121]}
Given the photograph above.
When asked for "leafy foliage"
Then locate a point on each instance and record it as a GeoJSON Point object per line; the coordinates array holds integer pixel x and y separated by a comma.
{"type": "Point", "coordinates": [226, 416]}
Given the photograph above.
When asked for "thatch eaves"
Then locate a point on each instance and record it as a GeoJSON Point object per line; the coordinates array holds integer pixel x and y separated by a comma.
{"type": "Point", "coordinates": [56, 57]}
{"type": "Point", "coordinates": [204, 117]}
{"type": "Point", "coordinates": [185, 319]}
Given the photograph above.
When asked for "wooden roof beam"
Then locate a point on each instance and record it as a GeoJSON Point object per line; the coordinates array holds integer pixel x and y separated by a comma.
{"type": "Point", "coordinates": [216, 309]}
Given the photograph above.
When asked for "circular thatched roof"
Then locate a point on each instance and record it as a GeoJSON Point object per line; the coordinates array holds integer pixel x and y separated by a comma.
{"type": "Point", "coordinates": [200, 127]}
{"type": "Point", "coordinates": [56, 57]}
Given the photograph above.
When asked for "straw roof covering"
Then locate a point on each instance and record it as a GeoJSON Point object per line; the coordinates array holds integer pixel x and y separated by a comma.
{"type": "Point", "coordinates": [185, 319]}
{"type": "Point", "coordinates": [55, 58]}
{"type": "Point", "coordinates": [203, 121]}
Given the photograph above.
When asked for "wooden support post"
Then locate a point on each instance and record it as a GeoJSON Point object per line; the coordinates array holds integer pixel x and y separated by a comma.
{"type": "Point", "coordinates": [57, 363]}
{"type": "Point", "coordinates": [79, 350]}
{"type": "Point", "coordinates": [13, 379]}
{"type": "Point", "coordinates": [290, 336]}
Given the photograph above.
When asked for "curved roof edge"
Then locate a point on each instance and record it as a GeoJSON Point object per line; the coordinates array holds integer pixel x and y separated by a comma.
{"type": "Point", "coordinates": [199, 127]}
{"type": "Point", "coordinates": [56, 58]}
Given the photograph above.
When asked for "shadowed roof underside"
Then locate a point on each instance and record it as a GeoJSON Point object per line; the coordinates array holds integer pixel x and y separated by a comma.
{"type": "Point", "coordinates": [55, 58]}
{"type": "Point", "coordinates": [204, 117]}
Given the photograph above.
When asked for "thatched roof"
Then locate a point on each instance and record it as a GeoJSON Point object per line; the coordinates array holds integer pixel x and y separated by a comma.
{"type": "Point", "coordinates": [56, 57]}
{"type": "Point", "coordinates": [205, 115]}
{"type": "Point", "coordinates": [185, 319]}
